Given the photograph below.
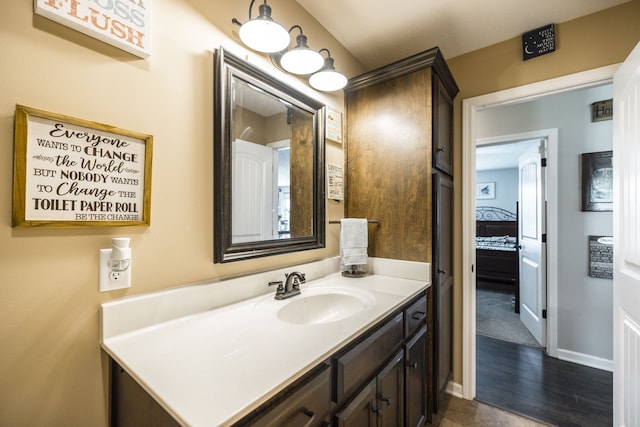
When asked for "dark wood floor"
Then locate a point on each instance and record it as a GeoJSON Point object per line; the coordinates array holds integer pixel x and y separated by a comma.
{"type": "Point", "coordinates": [526, 381]}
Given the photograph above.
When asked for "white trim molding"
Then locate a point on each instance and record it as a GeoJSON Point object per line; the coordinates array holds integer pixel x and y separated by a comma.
{"type": "Point", "coordinates": [586, 360]}
{"type": "Point", "coordinates": [470, 108]}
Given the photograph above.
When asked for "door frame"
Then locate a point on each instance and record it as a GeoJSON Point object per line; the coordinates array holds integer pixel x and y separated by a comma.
{"type": "Point", "coordinates": [551, 220]}
{"type": "Point", "coordinates": [470, 108]}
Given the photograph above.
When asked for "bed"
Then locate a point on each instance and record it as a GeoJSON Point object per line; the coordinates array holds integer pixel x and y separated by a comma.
{"type": "Point", "coordinates": [497, 250]}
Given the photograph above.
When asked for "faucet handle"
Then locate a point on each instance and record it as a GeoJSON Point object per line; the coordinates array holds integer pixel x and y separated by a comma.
{"type": "Point", "coordinates": [280, 286]}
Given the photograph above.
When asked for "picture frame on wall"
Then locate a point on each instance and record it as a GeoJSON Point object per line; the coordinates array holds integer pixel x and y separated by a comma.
{"type": "Point", "coordinates": [70, 172]}
{"type": "Point", "coordinates": [486, 190]}
{"type": "Point", "coordinates": [597, 181]}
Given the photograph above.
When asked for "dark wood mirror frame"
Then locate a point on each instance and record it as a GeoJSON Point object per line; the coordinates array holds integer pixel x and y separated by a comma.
{"type": "Point", "coordinates": [227, 66]}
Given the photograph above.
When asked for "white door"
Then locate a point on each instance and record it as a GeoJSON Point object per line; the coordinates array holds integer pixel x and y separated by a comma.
{"type": "Point", "coordinates": [626, 249]}
{"type": "Point", "coordinates": [532, 256]}
{"type": "Point", "coordinates": [252, 212]}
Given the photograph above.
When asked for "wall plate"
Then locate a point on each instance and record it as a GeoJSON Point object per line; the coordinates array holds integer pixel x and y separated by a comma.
{"type": "Point", "coordinates": [111, 281]}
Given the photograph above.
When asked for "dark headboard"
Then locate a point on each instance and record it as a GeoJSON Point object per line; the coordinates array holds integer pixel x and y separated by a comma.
{"type": "Point", "coordinates": [496, 228]}
{"type": "Point", "coordinates": [491, 221]}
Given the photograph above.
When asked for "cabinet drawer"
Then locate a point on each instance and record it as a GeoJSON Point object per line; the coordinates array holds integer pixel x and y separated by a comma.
{"type": "Point", "coordinates": [360, 362]}
{"type": "Point", "coordinates": [307, 405]}
{"type": "Point", "coordinates": [416, 316]}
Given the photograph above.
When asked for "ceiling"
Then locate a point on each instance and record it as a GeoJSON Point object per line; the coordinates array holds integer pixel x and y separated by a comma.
{"type": "Point", "coordinates": [383, 31]}
{"type": "Point", "coordinates": [501, 156]}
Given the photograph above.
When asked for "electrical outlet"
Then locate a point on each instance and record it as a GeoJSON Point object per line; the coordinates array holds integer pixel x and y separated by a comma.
{"type": "Point", "coordinates": [111, 280]}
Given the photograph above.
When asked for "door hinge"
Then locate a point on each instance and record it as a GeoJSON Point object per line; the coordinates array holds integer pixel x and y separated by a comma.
{"type": "Point", "coordinates": [543, 162]}
{"type": "Point", "coordinates": [544, 314]}
{"type": "Point", "coordinates": [544, 238]}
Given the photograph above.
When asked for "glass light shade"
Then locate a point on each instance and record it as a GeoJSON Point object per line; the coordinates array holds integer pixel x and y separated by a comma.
{"type": "Point", "coordinates": [327, 80]}
{"type": "Point", "coordinates": [301, 60]}
{"type": "Point", "coordinates": [264, 35]}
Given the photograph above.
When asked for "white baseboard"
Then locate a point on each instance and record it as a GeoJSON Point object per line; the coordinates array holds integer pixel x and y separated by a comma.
{"type": "Point", "coordinates": [455, 389]}
{"type": "Point", "coordinates": [586, 360]}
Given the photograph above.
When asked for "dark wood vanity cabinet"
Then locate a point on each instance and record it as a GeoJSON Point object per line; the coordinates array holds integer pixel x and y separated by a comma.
{"type": "Point", "coordinates": [131, 405]}
{"type": "Point", "coordinates": [415, 379]}
{"type": "Point", "coordinates": [442, 283]}
{"type": "Point", "coordinates": [399, 133]}
{"type": "Point", "coordinates": [377, 380]}
{"type": "Point", "coordinates": [381, 402]}
{"type": "Point", "coordinates": [395, 391]}
{"type": "Point", "coordinates": [442, 127]}
{"type": "Point", "coordinates": [306, 403]}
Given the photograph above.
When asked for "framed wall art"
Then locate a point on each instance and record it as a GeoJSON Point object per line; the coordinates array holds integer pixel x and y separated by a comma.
{"type": "Point", "coordinates": [123, 24]}
{"type": "Point", "coordinates": [70, 172]}
{"type": "Point", "coordinates": [597, 181]}
{"type": "Point", "coordinates": [486, 190]}
{"type": "Point", "coordinates": [601, 257]}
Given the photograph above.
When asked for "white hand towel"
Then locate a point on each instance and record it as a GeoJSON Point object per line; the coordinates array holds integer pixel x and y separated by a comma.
{"type": "Point", "coordinates": [353, 242]}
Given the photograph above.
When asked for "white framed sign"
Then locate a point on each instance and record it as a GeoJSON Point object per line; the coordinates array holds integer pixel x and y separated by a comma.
{"type": "Point", "coordinates": [335, 182]}
{"type": "Point", "coordinates": [125, 24]}
{"type": "Point", "coordinates": [72, 172]}
{"type": "Point", "coordinates": [333, 124]}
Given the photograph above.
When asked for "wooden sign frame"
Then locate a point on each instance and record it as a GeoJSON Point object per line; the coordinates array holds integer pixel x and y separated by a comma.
{"type": "Point", "coordinates": [123, 24]}
{"type": "Point", "coordinates": [70, 172]}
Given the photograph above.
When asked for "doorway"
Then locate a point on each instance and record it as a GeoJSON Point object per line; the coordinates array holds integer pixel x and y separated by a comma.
{"type": "Point", "coordinates": [508, 301]}
{"type": "Point", "coordinates": [471, 108]}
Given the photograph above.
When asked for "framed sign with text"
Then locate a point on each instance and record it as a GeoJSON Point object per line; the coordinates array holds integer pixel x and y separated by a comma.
{"type": "Point", "coordinates": [69, 172]}
{"type": "Point", "coordinates": [125, 24]}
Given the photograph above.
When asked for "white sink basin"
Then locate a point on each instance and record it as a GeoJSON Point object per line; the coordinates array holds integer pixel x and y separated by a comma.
{"type": "Point", "coordinates": [322, 305]}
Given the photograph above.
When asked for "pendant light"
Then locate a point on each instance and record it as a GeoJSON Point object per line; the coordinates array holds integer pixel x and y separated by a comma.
{"type": "Point", "coordinates": [328, 79]}
{"type": "Point", "coordinates": [301, 59]}
{"type": "Point", "coordinates": [263, 34]}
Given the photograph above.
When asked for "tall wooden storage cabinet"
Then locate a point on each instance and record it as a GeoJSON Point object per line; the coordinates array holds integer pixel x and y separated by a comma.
{"type": "Point", "coordinates": [399, 166]}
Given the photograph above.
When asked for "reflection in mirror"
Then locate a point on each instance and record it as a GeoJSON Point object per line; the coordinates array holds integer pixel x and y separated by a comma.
{"type": "Point", "coordinates": [269, 159]}
{"type": "Point", "coordinates": [265, 132]}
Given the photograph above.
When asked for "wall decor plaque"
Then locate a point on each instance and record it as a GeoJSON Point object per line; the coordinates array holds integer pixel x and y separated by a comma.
{"type": "Point", "coordinates": [333, 124]}
{"type": "Point", "coordinates": [125, 24]}
{"type": "Point", "coordinates": [69, 172]}
{"type": "Point", "coordinates": [597, 181]}
{"type": "Point", "coordinates": [538, 42]}
{"type": "Point", "coordinates": [601, 257]}
{"type": "Point", "coordinates": [602, 110]}
{"type": "Point", "coordinates": [335, 182]}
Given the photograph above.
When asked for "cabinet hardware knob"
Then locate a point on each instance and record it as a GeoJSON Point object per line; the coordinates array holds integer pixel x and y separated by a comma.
{"type": "Point", "coordinates": [418, 315]}
{"type": "Point", "coordinates": [386, 399]}
{"type": "Point", "coordinates": [378, 411]}
{"type": "Point", "coordinates": [311, 415]}
{"type": "Point", "coordinates": [412, 365]}
{"type": "Point", "coordinates": [440, 149]}
{"type": "Point", "coordinates": [442, 271]}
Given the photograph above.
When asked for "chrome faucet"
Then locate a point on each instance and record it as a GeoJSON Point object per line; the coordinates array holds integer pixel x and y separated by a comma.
{"type": "Point", "coordinates": [291, 285]}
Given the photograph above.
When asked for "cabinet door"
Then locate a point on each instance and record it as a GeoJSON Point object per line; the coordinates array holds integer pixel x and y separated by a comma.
{"type": "Point", "coordinates": [132, 406]}
{"type": "Point", "coordinates": [442, 128]}
{"type": "Point", "coordinates": [415, 374]}
{"type": "Point", "coordinates": [362, 411]}
{"type": "Point", "coordinates": [390, 392]}
{"type": "Point", "coordinates": [362, 361]}
{"type": "Point", "coordinates": [442, 283]}
{"type": "Point", "coordinates": [304, 405]}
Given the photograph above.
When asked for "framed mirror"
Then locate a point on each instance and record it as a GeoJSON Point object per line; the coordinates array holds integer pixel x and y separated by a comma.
{"type": "Point", "coordinates": [269, 164]}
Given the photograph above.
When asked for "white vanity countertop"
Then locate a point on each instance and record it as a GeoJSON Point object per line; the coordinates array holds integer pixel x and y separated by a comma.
{"type": "Point", "coordinates": [213, 367]}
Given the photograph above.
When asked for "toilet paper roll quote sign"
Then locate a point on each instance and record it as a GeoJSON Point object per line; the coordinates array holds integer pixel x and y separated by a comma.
{"type": "Point", "coordinates": [73, 172]}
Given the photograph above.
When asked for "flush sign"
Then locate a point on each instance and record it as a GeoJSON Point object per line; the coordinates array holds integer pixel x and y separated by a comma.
{"type": "Point", "coordinates": [538, 42]}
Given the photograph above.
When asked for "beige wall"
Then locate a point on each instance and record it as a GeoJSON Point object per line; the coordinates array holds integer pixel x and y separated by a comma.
{"type": "Point", "coordinates": [586, 43]}
{"type": "Point", "coordinates": [51, 368]}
